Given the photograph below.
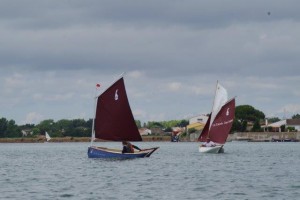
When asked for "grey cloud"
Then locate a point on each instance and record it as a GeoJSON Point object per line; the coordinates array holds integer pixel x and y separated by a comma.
{"type": "Point", "coordinates": [62, 48]}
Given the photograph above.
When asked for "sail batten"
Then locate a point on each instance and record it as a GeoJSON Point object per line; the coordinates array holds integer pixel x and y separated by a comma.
{"type": "Point", "coordinates": [114, 119]}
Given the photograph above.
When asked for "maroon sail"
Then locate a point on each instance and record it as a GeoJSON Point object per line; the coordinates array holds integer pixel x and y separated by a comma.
{"type": "Point", "coordinates": [221, 126]}
{"type": "Point", "coordinates": [114, 120]}
{"type": "Point", "coordinates": [204, 134]}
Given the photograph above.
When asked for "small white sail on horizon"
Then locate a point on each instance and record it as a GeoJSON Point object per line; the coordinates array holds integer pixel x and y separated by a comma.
{"type": "Point", "coordinates": [48, 138]}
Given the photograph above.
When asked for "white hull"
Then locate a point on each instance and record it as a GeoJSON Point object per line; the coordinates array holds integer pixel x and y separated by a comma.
{"type": "Point", "coordinates": [215, 149]}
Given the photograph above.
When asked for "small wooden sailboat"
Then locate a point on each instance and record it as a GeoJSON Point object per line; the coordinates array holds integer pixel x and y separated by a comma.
{"type": "Point", "coordinates": [219, 122]}
{"type": "Point", "coordinates": [114, 122]}
{"type": "Point", "coordinates": [48, 138]}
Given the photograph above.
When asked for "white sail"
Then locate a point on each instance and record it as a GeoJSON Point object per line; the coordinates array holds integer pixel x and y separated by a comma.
{"type": "Point", "coordinates": [221, 97]}
{"type": "Point", "coordinates": [47, 137]}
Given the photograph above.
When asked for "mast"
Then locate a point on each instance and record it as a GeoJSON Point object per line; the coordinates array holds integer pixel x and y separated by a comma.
{"type": "Point", "coordinates": [93, 126]}
{"type": "Point", "coordinates": [205, 131]}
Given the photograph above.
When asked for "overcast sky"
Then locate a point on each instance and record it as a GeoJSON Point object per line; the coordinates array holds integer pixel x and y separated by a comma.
{"type": "Point", "coordinates": [53, 52]}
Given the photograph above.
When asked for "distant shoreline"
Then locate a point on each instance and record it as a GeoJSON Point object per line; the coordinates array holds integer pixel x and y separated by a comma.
{"type": "Point", "coordinates": [42, 139]}
{"type": "Point", "coordinates": [243, 136]}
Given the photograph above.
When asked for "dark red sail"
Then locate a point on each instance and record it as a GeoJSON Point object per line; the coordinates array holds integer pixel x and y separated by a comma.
{"type": "Point", "coordinates": [114, 120]}
{"type": "Point", "coordinates": [221, 126]}
{"type": "Point", "coordinates": [204, 133]}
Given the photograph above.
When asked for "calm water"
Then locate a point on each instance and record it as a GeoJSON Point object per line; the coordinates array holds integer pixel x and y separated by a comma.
{"type": "Point", "coordinates": [175, 171]}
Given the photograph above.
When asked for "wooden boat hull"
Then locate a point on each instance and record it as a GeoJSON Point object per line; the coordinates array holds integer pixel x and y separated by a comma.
{"type": "Point", "coordinates": [215, 149]}
{"type": "Point", "coordinates": [102, 152]}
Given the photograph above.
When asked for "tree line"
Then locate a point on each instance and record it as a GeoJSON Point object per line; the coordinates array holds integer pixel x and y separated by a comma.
{"type": "Point", "coordinates": [246, 113]}
{"type": "Point", "coordinates": [61, 128]}
{"type": "Point", "coordinates": [83, 128]}
{"type": "Point", "coordinates": [72, 128]}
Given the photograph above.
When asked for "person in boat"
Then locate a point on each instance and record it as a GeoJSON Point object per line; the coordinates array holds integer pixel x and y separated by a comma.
{"type": "Point", "coordinates": [128, 147]}
{"type": "Point", "coordinates": [209, 143]}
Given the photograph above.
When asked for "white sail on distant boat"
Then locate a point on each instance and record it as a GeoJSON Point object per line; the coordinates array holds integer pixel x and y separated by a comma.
{"type": "Point", "coordinates": [217, 128]}
{"type": "Point", "coordinates": [48, 138]}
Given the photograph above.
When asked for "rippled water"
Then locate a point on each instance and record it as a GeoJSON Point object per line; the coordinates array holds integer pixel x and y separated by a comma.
{"type": "Point", "coordinates": [175, 171]}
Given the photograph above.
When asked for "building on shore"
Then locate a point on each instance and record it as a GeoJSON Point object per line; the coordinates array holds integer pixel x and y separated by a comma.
{"type": "Point", "coordinates": [196, 123]}
{"type": "Point", "coordinates": [145, 131]}
{"type": "Point", "coordinates": [283, 124]}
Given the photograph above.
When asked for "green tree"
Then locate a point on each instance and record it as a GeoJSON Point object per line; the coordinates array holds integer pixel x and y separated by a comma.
{"type": "Point", "coordinates": [89, 123]}
{"type": "Point", "coordinates": [152, 124]}
{"type": "Point", "coordinates": [78, 123]}
{"type": "Point", "coordinates": [12, 129]}
{"type": "Point", "coordinates": [245, 114]}
{"type": "Point", "coordinates": [297, 116]}
{"type": "Point", "coordinates": [79, 132]}
{"type": "Point", "coordinates": [63, 126]}
{"type": "Point", "coordinates": [3, 126]}
{"type": "Point", "coordinates": [138, 123]}
{"type": "Point", "coordinates": [27, 126]}
{"type": "Point", "coordinates": [183, 123]}
{"type": "Point", "coordinates": [192, 130]}
{"type": "Point", "coordinates": [36, 131]}
{"type": "Point", "coordinates": [236, 125]}
{"type": "Point", "coordinates": [46, 125]}
{"type": "Point", "coordinates": [89, 126]}
{"type": "Point", "coordinates": [248, 113]}
{"type": "Point", "coordinates": [166, 124]}
{"type": "Point", "coordinates": [273, 119]}
{"type": "Point", "coordinates": [256, 126]}
{"type": "Point", "coordinates": [291, 128]}
{"type": "Point", "coordinates": [78, 128]}
{"type": "Point", "coordinates": [244, 126]}
{"type": "Point", "coordinates": [74, 128]}
{"type": "Point", "coordinates": [168, 129]}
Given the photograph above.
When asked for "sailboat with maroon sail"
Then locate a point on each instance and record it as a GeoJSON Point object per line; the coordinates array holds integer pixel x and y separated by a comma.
{"type": "Point", "coordinates": [114, 122]}
{"type": "Point", "coordinates": [219, 123]}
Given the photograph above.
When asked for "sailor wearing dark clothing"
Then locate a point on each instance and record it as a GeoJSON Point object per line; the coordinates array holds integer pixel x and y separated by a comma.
{"type": "Point", "coordinates": [128, 147]}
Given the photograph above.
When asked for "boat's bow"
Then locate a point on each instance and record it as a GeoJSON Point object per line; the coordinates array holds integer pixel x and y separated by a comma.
{"type": "Point", "coordinates": [149, 151]}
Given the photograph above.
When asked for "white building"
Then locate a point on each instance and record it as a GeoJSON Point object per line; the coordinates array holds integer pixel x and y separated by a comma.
{"type": "Point", "coordinates": [286, 122]}
{"type": "Point", "coordinates": [145, 131]}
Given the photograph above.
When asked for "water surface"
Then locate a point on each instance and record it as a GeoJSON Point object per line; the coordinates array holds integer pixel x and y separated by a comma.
{"type": "Point", "coordinates": [175, 171]}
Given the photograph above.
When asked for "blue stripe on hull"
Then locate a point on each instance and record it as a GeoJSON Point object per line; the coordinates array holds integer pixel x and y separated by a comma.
{"type": "Point", "coordinates": [102, 153]}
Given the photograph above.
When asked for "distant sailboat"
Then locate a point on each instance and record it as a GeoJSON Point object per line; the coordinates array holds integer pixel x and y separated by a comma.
{"type": "Point", "coordinates": [48, 138]}
{"type": "Point", "coordinates": [114, 122]}
{"type": "Point", "coordinates": [219, 122]}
